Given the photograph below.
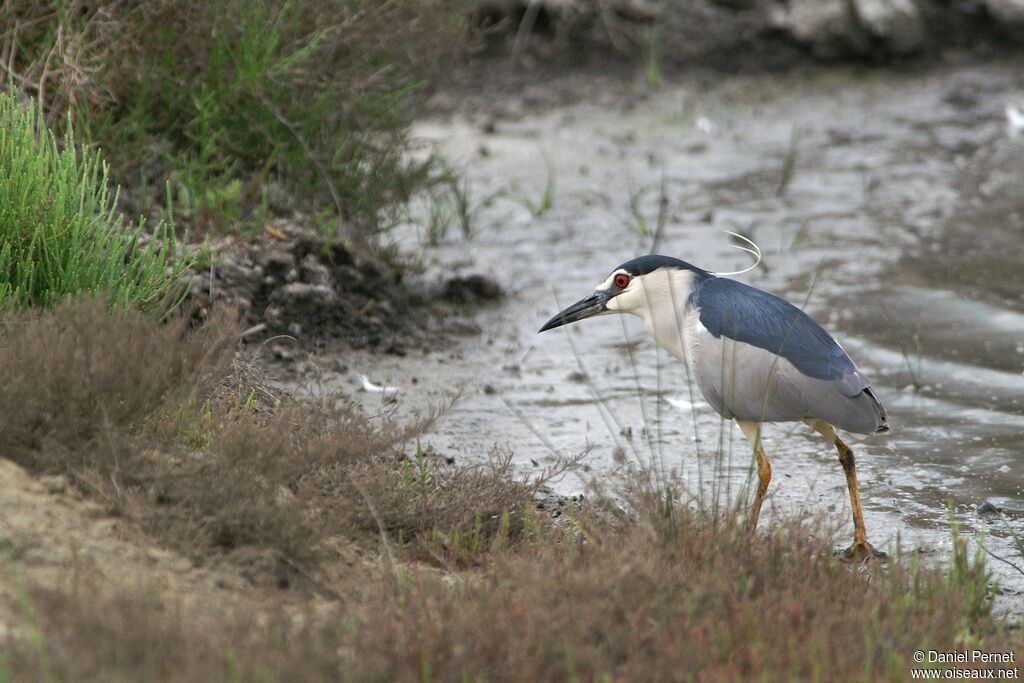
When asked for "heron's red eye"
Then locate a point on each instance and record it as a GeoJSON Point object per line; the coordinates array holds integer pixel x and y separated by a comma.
{"type": "Point", "coordinates": [621, 280]}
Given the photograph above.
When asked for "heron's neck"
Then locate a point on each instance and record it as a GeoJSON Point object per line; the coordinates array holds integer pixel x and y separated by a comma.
{"type": "Point", "coordinates": [663, 307]}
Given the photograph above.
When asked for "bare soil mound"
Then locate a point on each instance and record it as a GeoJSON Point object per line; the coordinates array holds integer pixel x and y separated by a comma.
{"type": "Point", "coordinates": [296, 282]}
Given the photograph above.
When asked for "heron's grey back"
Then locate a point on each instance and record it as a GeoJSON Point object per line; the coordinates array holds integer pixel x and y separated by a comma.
{"type": "Point", "coordinates": [757, 357]}
{"type": "Point", "coordinates": [751, 315]}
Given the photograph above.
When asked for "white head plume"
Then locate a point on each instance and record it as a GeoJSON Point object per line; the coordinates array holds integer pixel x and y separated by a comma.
{"type": "Point", "coordinates": [755, 251]}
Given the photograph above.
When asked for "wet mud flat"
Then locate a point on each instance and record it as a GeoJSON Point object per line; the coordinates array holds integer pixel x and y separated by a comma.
{"type": "Point", "coordinates": [890, 205]}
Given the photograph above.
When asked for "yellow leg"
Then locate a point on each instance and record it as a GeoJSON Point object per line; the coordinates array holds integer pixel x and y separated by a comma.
{"type": "Point", "coordinates": [752, 430]}
{"type": "Point", "coordinates": [860, 550]}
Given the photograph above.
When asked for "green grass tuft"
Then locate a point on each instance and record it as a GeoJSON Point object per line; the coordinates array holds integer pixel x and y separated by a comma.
{"type": "Point", "coordinates": [60, 233]}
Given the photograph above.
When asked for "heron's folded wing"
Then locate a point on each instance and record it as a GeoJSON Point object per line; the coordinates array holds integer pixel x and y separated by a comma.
{"type": "Point", "coordinates": [746, 314]}
{"type": "Point", "coordinates": [766, 360]}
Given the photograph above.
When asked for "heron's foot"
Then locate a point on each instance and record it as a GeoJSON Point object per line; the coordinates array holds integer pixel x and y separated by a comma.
{"type": "Point", "coordinates": [861, 552]}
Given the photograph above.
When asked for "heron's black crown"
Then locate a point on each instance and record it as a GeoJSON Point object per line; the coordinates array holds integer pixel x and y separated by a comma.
{"type": "Point", "coordinates": [642, 265]}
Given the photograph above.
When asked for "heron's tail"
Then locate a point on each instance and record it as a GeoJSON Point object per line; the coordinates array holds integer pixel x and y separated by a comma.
{"type": "Point", "coordinates": [881, 420]}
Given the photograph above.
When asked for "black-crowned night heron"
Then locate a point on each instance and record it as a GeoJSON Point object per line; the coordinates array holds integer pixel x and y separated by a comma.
{"type": "Point", "coordinates": [755, 357]}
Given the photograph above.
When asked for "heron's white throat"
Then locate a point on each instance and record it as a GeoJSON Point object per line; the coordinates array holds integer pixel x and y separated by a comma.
{"type": "Point", "coordinates": [659, 299]}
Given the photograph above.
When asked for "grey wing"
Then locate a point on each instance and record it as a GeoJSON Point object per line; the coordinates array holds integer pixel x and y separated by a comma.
{"type": "Point", "coordinates": [744, 381]}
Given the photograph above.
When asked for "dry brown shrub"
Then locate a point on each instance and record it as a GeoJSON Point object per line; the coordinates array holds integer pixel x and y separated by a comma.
{"type": "Point", "coordinates": [442, 512]}
{"type": "Point", "coordinates": [270, 478]}
{"type": "Point", "coordinates": [86, 632]}
{"type": "Point", "coordinates": [167, 427]}
{"type": "Point", "coordinates": [710, 602]}
{"type": "Point", "coordinates": [77, 375]}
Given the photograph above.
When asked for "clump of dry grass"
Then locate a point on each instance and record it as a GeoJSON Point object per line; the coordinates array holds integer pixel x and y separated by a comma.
{"type": "Point", "coordinates": [78, 376]}
{"type": "Point", "coordinates": [155, 421]}
{"type": "Point", "coordinates": [712, 604]}
{"type": "Point", "coordinates": [451, 515]}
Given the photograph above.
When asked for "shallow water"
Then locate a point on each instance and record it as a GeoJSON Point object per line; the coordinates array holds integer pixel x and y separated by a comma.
{"type": "Point", "coordinates": [900, 228]}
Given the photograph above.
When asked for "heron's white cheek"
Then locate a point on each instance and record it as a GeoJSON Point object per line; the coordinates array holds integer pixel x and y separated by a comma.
{"type": "Point", "coordinates": [626, 302]}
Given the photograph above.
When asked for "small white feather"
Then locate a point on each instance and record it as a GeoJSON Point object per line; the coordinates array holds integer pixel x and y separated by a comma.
{"type": "Point", "coordinates": [679, 403]}
{"type": "Point", "coordinates": [705, 125]}
{"type": "Point", "coordinates": [1014, 119]}
{"type": "Point", "coordinates": [370, 387]}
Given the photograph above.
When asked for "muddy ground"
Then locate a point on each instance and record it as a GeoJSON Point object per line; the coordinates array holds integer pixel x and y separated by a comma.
{"type": "Point", "coordinates": [887, 202]}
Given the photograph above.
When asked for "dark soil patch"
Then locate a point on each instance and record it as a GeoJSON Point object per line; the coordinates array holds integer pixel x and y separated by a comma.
{"type": "Point", "coordinates": [297, 283]}
{"type": "Point", "coordinates": [471, 289]}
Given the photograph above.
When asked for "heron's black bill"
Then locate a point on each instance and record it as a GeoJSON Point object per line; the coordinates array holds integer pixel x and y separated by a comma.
{"type": "Point", "coordinates": [584, 308]}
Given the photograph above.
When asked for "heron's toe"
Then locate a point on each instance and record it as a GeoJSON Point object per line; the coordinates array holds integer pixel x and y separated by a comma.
{"type": "Point", "coordinates": [861, 552]}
